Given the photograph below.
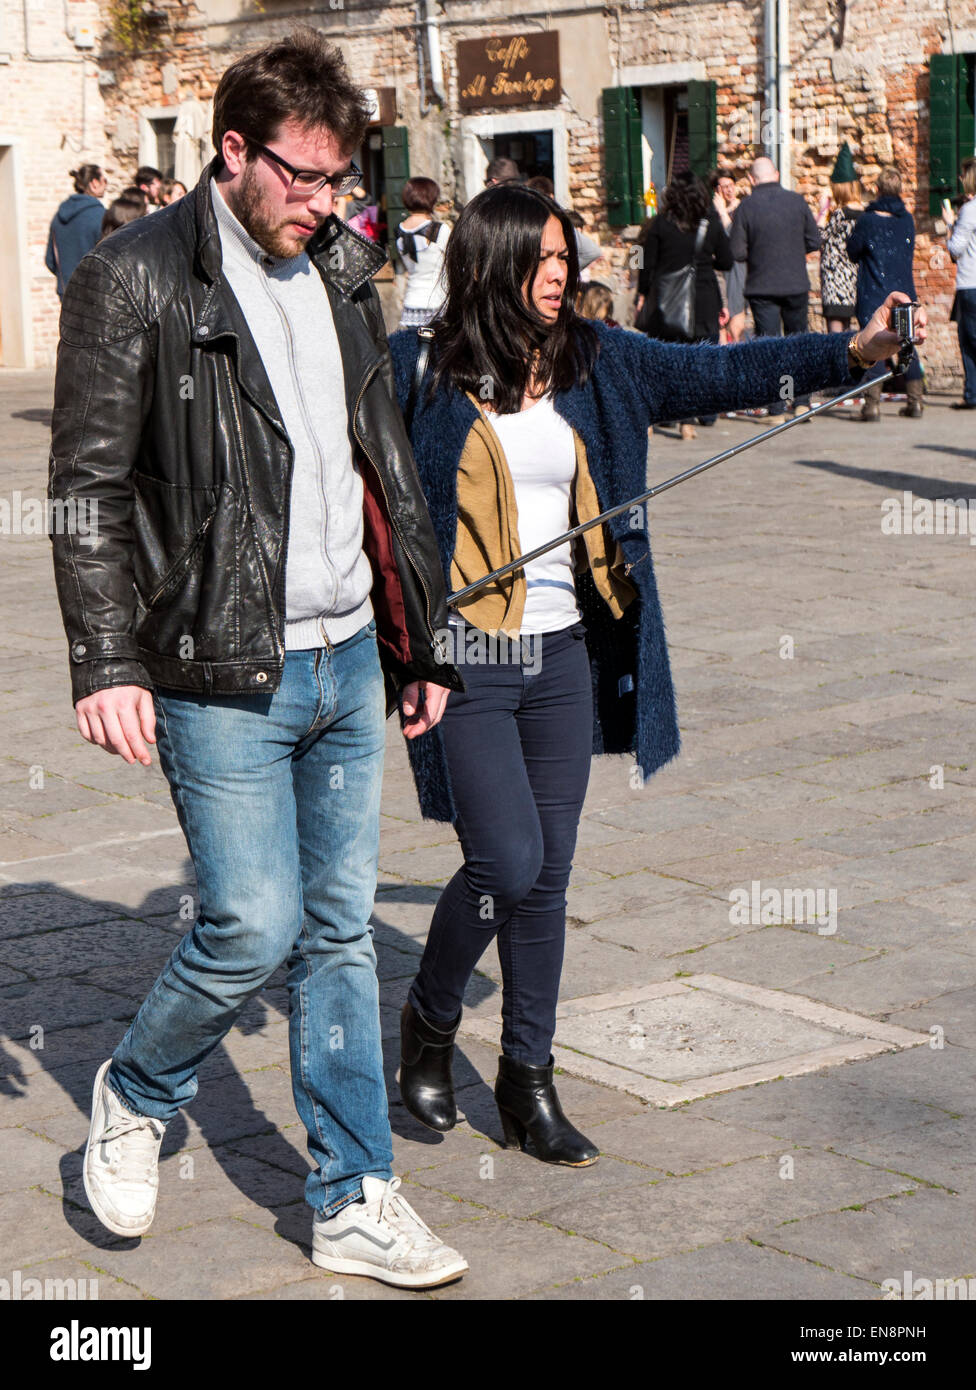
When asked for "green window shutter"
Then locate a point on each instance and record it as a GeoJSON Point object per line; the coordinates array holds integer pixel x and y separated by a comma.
{"type": "Point", "coordinates": [702, 137]}
{"type": "Point", "coordinates": [396, 171]}
{"type": "Point", "coordinates": [944, 101]}
{"type": "Point", "coordinates": [966, 106]}
{"type": "Point", "coordinates": [622, 156]}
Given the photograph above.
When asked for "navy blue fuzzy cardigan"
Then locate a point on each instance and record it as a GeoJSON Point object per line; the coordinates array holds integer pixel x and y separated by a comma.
{"type": "Point", "coordinates": [635, 382]}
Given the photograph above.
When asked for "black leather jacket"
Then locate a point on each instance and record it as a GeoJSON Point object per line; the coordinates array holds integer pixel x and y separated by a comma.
{"type": "Point", "coordinates": [165, 420]}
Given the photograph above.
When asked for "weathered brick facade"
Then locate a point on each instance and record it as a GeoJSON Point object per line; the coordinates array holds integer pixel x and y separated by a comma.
{"type": "Point", "coordinates": [51, 120]}
{"type": "Point", "coordinates": [866, 83]}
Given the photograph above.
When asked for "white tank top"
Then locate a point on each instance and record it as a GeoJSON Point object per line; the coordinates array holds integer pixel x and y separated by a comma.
{"type": "Point", "coordinates": [425, 284]}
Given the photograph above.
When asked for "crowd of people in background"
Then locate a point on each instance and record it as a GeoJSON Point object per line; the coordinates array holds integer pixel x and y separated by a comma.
{"type": "Point", "coordinates": [83, 220]}
{"type": "Point", "coordinates": [718, 247]}
{"type": "Point", "coordinates": [738, 244]}
{"type": "Point", "coordinates": [750, 247]}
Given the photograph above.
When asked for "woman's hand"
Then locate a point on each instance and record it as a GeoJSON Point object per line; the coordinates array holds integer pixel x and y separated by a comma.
{"type": "Point", "coordinates": [876, 341]}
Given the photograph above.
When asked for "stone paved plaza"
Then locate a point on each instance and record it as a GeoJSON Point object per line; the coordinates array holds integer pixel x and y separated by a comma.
{"type": "Point", "coordinates": [767, 1018]}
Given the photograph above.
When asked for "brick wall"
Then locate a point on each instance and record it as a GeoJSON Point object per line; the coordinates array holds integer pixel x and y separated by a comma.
{"type": "Point", "coordinates": [51, 108]}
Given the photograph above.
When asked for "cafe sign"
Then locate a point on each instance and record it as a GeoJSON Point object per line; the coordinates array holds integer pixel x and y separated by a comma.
{"type": "Point", "coordinates": [509, 70]}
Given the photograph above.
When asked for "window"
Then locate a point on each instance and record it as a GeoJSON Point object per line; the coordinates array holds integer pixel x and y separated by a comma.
{"type": "Point", "coordinates": [676, 122]}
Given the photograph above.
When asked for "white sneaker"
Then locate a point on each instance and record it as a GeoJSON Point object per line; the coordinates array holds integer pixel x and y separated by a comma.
{"type": "Point", "coordinates": [121, 1162]}
{"type": "Point", "coordinates": [384, 1238]}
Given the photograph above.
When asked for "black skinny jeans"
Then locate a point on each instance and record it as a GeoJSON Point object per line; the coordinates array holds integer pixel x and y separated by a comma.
{"type": "Point", "coordinates": [518, 743]}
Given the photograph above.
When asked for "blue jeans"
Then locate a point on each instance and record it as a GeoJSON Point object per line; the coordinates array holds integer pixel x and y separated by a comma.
{"type": "Point", "coordinates": [518, 744]}
{"type": "Point", "coordinates": [278, 795]}
{"type": "Point", "coordinates": [966, 325]}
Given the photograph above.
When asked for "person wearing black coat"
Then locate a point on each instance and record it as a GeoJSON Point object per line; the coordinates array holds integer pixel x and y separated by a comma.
{"type": "Point", "coordinates": [669, 245]}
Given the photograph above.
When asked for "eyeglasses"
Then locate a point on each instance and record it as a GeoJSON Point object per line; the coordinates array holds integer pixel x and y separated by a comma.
{"type": "Point", "coordinates": [308, 181]}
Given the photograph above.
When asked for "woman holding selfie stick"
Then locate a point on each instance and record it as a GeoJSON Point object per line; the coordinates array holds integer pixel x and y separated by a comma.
{"type": "Point", "coordinates": [530, 418]}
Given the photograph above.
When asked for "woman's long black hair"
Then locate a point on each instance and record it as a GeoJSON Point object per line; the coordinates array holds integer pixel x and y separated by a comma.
{"type": "Point", "coordinates": [486, 336]}
{"type": "Point", "coordinates": [685, 201]}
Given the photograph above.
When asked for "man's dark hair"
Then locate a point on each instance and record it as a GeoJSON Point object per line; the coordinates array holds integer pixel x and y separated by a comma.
{"type": "Point", "coordinates": [145, 174]}
{"type": "Point", "coordinates": [486, 331]}
{"type": "Point", "coordinates": [501, 169]}
{"type": "Point", "coordinates": [420, 194]}
{"type": "Point", "coordinates": [685, 201]}
{"type": "Point", "coordinates": [542, 185]}
{"type": "Point", "coordinates": [119, 214]}
{"type": "Point", "coordinates": [299, 78]}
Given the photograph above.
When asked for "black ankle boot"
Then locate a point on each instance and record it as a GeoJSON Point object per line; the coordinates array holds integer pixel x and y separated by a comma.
{"type": "Point", "coordinates": [529, 1108]}
{"type": "Point", "coordinates": [426, 1084]}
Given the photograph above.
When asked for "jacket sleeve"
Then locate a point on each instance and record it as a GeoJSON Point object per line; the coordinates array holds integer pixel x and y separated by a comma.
{"type": "Point", "coordinates": [49, 259]}
{"type": "Point", "coordinates": [739, 236]}
{"type": "Point", "coordinates": [648, 267]}
{"type": "Point", "coordinates": [857, 241]}
{"type": "Point", "coordinates": [722, 251]}
{"type": "Point", "coordinates": [963, 230]}
{"type": "Point", "coordinates": [102, 395]}
{"type": "Point", "coordinates": [812, 238]}
{"type": "Point", "coordinates": [677, 380]}
{"type": "Point", "coordinates": [587, 250]}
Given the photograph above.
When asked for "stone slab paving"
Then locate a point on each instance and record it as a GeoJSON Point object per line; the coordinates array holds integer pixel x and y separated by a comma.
{"type": "Point", "coordinates": [784, 1111]}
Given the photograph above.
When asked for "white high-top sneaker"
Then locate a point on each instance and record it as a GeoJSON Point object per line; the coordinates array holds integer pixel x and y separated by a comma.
{"type": "Point", "coordinates": [121, 1162]}
{"type": "Point", "coordinates": [384, 1238]}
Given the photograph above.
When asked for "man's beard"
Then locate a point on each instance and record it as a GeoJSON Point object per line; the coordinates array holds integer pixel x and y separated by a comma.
{"type": "Point", "coordinates": [251, 209]}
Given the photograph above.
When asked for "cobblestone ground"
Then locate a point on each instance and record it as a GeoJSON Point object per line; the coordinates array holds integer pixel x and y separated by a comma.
{"type": "Point", "coordinates": [825, 680]}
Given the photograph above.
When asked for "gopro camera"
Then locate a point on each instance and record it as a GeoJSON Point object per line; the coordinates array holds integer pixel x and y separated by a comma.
{"type": "Point", "coordinates": [903, 321]}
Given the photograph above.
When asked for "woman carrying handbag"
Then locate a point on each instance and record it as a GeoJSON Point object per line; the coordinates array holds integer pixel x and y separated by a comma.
{"type": "Point", "coordinates": [683, 247]}
{"type": "Point", "coordinates": [524, 418]}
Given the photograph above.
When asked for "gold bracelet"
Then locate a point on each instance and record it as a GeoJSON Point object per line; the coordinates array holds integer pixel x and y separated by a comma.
{"type": "Point", "coordinates": [859, 359]}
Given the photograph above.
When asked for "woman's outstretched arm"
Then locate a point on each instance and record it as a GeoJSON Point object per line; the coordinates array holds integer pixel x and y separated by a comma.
{"type": "Point", "coordinates": [678, 381]}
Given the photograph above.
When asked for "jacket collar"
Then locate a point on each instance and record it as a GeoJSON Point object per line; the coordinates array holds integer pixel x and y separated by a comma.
{"type": "Point", "coordinates": [345, 259]}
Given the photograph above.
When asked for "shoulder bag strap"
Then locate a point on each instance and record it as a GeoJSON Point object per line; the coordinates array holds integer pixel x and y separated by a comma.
{"type": "Point", "coordinates": [425, 336]}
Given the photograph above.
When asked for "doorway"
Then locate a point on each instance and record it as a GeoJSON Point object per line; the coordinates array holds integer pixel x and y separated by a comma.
{"type": "Point", "coordinates": [530, 149]}
{"type": "Point", "coordinates": [16, 344]}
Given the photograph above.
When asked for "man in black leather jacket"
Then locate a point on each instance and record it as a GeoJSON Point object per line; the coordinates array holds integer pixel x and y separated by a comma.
{"type": "Point", "coordinates": [258, 556]}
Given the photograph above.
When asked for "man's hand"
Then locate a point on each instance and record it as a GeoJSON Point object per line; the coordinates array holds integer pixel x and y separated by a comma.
{"type": "Point", "coordinates": [876, 341]}
{"type": "Point", "coordinates": [422, 704]}
{"type": "Point", "coordinates": [120, 720]}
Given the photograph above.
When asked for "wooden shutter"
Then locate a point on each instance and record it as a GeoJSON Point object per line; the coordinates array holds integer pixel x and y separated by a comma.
{"type": "Point", "coordinates": [966, 105]}
{"type": "Point", "coordinates": [396, 171]}
{"type": "Point", "coordinates": [623, 170]}
{"type": "Point", "coordinates": [943, 129]}
{"type": "Point", "coordinates": [702, 137]}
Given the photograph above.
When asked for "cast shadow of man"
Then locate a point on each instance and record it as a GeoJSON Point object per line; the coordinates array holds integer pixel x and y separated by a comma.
{"type": "Point", "coordinates": [86, 965]}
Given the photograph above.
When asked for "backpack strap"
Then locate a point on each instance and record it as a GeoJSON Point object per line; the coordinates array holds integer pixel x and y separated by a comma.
{"type": "Point", "coordinates": [425, 335]}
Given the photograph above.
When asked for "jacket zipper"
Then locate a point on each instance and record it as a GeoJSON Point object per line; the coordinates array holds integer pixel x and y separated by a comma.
{"type": "Point", "coordinates": [386, 498]}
